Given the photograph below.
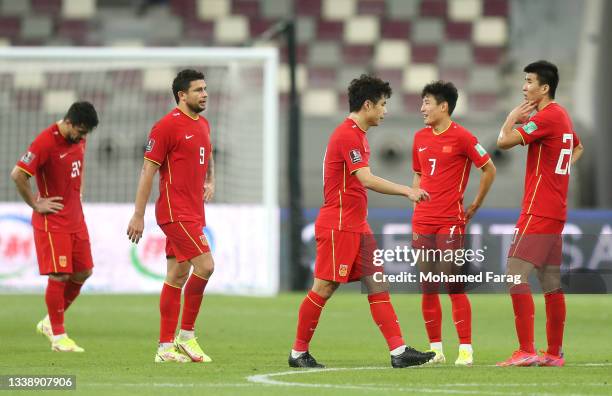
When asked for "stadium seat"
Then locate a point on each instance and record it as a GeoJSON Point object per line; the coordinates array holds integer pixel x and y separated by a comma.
{"type": "Point", "coordinates": [416, 76]}
{"type": "Point", "coordinates": [424, 53]}
{"type": "Point", "coordinates": [338, 9]}
{"type": "Point", "coordinates": [324, 54]}
{"type": "Point", "coordinates": [395, 29]}
{"type": "Point", "coordinates": [490, 31]}
{"type": "Point", "coordinates": [213, 9]}
{"type": "Point", "coordinates": [357, 54]}
{"type": "Point", "coordinates": [433, 8]}
{"type": "Point", "coordinates": [361, 30]}
{"type": "Point", "coordinates": [458, 31]}
{"type": "Point", "coordinates": [232, 30]}
{"type": "Point", "coordinates": [55, 102]}
{"type": "Point", "coordinates": [392, 53]}
{"type": "Point", "coordinates": [320, 102]}
{"type": "Point", "coordinates": [371, 7]}
{"type": "Point", "coordinates": [276, 8]}
{"type": "Point", "coordinates": [427, 31]}
{"type": "Point", "coordinates": [404, 9]}
{"type": "Point", "coordinates": [249, 8]}
{"type": "Point", "coordinates": [36, 27]}
{"type": "Point", "coordinates": [465, 10]}
{"type": "Point", "coordinates": [78, 9]}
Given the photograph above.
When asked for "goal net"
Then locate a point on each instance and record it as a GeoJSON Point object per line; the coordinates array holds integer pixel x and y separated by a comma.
{"type": "Point", "coordinates": [131, 90]}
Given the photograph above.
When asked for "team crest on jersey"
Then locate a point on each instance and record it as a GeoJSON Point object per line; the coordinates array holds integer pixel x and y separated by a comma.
{"type": "Point", "coordinates": [150, 145]}
{"type": "Point", "coordinates": [530, 127]}
{"type": "Point", "coordinates": [480, 149]}
{"type": "Point", "coordinates": [355, 156]}
{"type": "Point", "coordinates": [343, 270]}
{"type": "Point", "coordinates": [63, 261]}
{"type": "Point", "coordinates": [28, 157]}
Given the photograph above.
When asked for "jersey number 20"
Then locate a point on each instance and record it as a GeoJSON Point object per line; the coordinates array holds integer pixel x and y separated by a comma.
{"type": "Point", "coordinates": [566, 152]}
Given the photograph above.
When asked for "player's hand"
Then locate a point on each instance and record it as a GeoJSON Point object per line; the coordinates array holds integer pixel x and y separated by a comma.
{"type": "Point", "coordinates": [471, 211]}
{"type": "Point", "coordinates": [48, 205]}
{"type": "Point", "coordinates": [135, 228]}
{"type": "Point", "coordinates": [520, 114]}
{"type": "Point", "coordinates": [417, 195]}
{"type": "Point", "coordinates": [209, 191]}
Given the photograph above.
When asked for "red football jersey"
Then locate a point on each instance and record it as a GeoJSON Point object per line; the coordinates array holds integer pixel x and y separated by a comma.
{"type": "Point", "coordinates": [181, 146]}
{"type": "Point", "coordinates": [57, 165]}
{"type": "Point", "coordinates": [345, 206]}
{"type": "Point", "coordinates": [444, 160]}
{"type": "Point", "coordinates": [551, 139]}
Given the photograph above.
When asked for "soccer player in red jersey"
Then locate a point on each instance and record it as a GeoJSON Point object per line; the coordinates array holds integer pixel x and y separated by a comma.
{"type": "Point", "coordinates": [179, 147]}
{"type": "Point", "coordinates": [442, 154]}
{"type": "Point", "coordinates": [345, 243]}
{"type": "Point", "coordinates": [56, 158]}
{"type": "Point", "coordinates": [553, 147]}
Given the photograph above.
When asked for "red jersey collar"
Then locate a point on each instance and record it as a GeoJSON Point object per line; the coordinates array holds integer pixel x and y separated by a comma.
{"type": "Point", "coordinates": [350, 120]}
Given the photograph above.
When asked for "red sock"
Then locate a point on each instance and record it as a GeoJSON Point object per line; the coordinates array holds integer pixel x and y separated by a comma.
{"type": "Point", "coordinates": [194, 292]}
{"type": "Point", "coordinates": [555, 320]}
{"type": "Point", "coordinates": [71, 292]}
{"type": "Point", "coordinates": [384, 316]}
{"type": "Point", "coordinates": [54, 297]}
{"type": "Point", "coordinates": [169, 308]}
{"type": "Point", "coordinates": [462, 317]}
{"type": "Point", "coordinates": [308, 318]}
{"type": "Point", "coordinates": [432, 315]}
{"type": "Point", "coordinates": [524, 312]}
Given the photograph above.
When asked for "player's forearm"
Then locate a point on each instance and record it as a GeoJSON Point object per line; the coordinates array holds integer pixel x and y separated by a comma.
{"type": "Point", "coordinates": [210, 173]}
{"type": "Point", "coordinates": [416, 183]}
{"type": "Point", "coordinates": [384, 186]}
{"type": "Point", "coordinates": [577, 153]}
{"type": "Point", "coordinates": [506, 133]}
{"type": "Point", "coordinates": [145, 184]}
{"type": "Point", "coordinates": [486, 181]}
{"type": "Point", "coordinates": [22, 182]}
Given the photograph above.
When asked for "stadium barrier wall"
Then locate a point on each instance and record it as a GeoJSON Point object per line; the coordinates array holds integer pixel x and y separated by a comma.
{"type": "Point", "coordinates": [242, 263]}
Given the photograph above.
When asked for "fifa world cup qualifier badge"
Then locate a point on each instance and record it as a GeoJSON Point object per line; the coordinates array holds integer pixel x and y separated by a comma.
{"type": "Point", "coordinates": [149, 146]}
{"type": "Point", "coordinates": [28, 157]}
{"type": "Point", "coordinates": [355, 156]}
{"type": "Point", "coordinates": [343, 270]}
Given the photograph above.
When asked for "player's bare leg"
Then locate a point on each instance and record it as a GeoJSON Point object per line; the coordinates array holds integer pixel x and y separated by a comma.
{"type": "Point", "coordinates": [308, 318]}
{"type": "Point", "coordinates": [170, 308]}
{"type": "Point", "coordinates": [203, 267]}
{"type": "Point", "coordinates": [524, 310]}
{"type": "Point", "coordinates": [385, 318]}
{"type": "Point", "coordinates": [550, 279]}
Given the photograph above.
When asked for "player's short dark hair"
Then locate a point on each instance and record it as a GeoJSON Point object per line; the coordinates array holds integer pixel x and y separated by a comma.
{"type": "Point", "coordinates": [367, 87]}
{"type": "Point", "coordinates": [547, 74]}
{"type": "Point", "coordinates": [442, 91]}
{"type": "Point", "coordinates": [183, 79]}
{"type": "Point", "coordinates": [82, 114]}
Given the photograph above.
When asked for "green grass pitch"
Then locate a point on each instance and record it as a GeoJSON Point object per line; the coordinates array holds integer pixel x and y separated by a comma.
{"type": "Point", "coordinates": [249, 339]}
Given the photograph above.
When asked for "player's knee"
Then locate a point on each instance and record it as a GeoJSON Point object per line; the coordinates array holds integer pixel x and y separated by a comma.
{"type": "Point", "coordinates": [59, 277]}
{"type": "Point", "coordinates": [325, 289]}
{"type": "Point", "coordinates": [81, 276]}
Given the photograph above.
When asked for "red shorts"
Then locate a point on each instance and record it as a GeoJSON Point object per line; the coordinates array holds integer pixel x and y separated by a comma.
{"type": "Point", "coordinates": [344, 256]}
{"type": "Point", "coordinates": [62, 253]}
{"type": "Point", "coordinates": [537, 240]}
{"type": "Point", "coordinates": [185, 240]}
{"type": "Point", "coordinates": [439, 236]}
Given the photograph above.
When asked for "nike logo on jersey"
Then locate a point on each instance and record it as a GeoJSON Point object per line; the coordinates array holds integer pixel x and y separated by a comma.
{"type": "Point", "coordinates": [422, 149]}
{"type": "Point", "coordinates": [63, 155]}
{"type": "Point", "coordinates": [188, 137]}
{"type": "Point", "coordinates": [176, 114]}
